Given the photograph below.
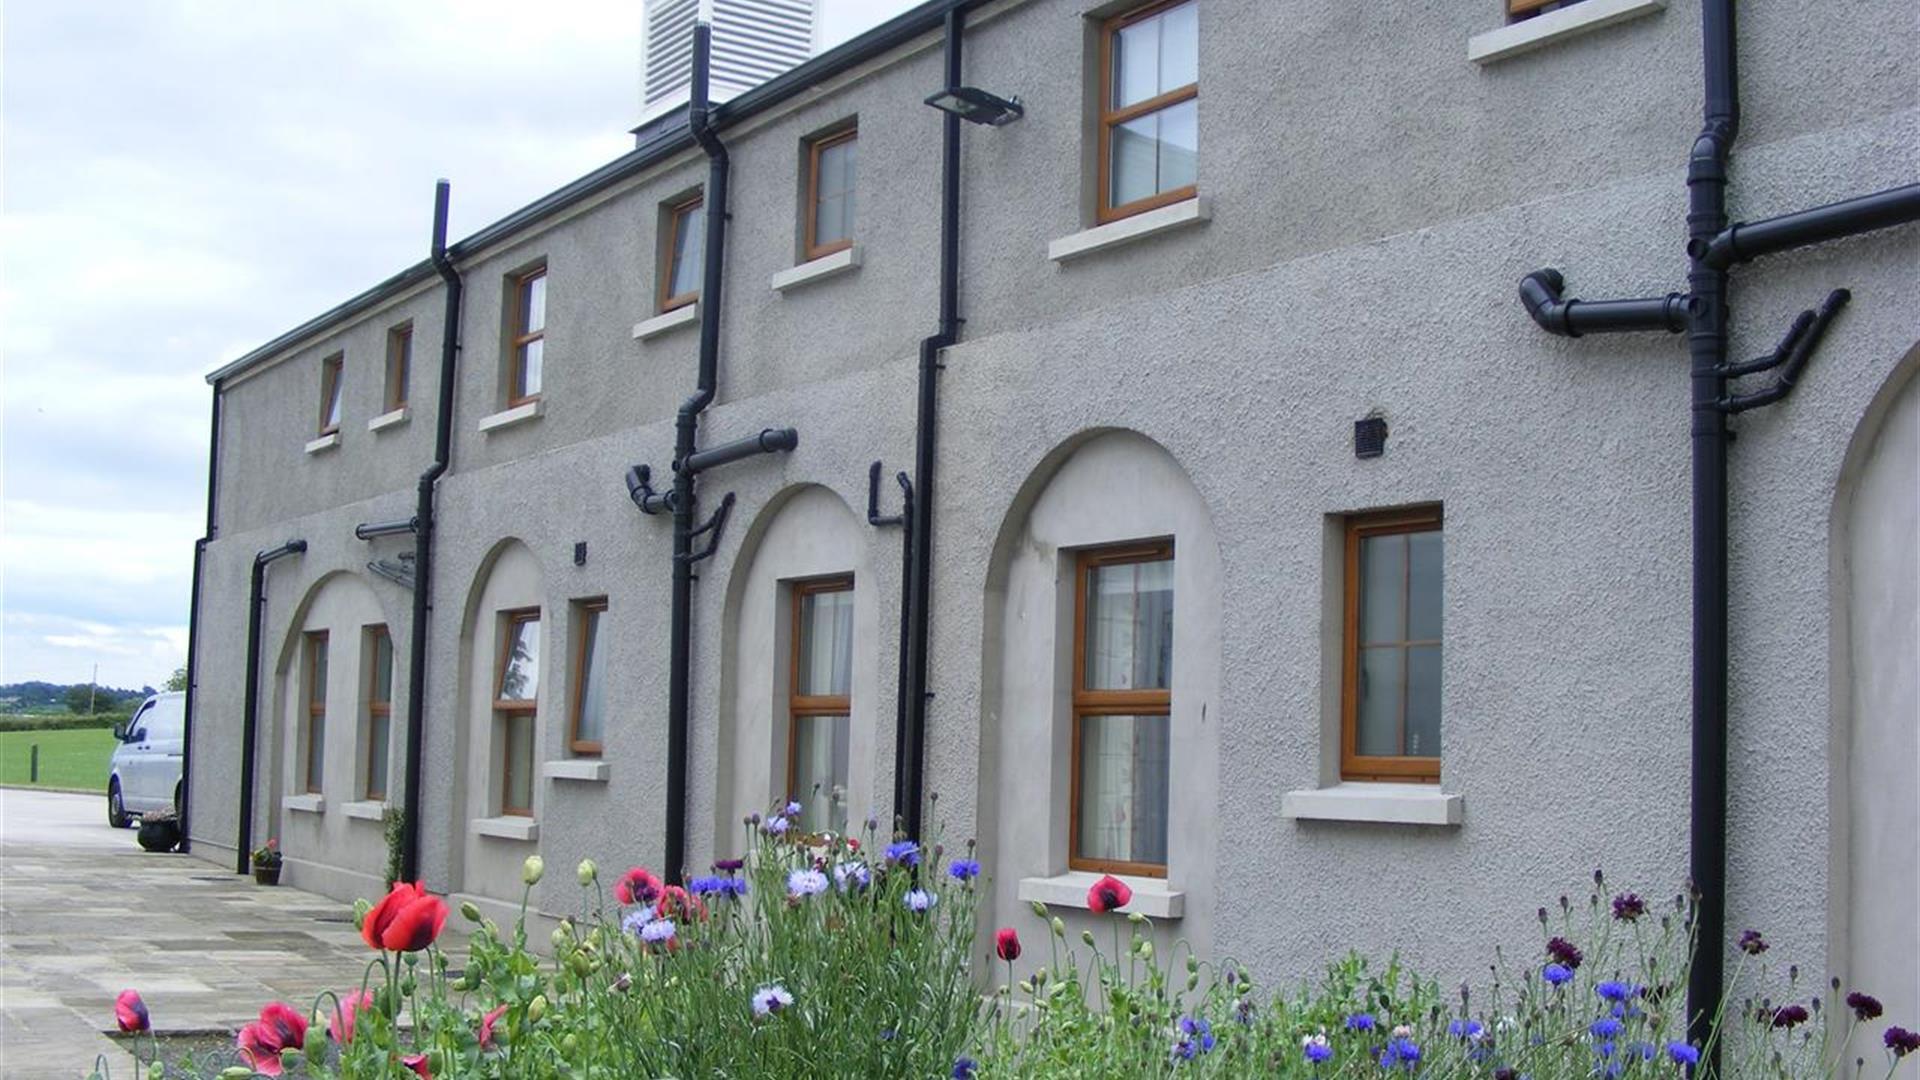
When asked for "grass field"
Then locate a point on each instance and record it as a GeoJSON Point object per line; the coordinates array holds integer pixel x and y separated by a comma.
{"type": "Point", "coordinates": [68, 759]}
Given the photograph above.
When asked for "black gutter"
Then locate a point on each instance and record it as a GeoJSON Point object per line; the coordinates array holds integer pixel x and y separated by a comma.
{"type": "Point", "coordinates": [911, 753]}
{"type": "Point", "coordinates": [250, 721]}
{"type": "Point", "coordinates": [888, 36]}
{"type": "Point", "coordinates": [1750, 240]}
{"type": "Point", "coordinates": [422, 525]}
{"type": "Point", "coordinates": [193, 625]}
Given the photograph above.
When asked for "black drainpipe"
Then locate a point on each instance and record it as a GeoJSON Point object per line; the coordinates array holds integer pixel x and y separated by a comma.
{"type": "Point", "coordinates": [193, 625]}
{"type": "Point", "coordinates": [911, 753]}
{"type": "Point", "coordinates": [1713, 245]}
{"type": "Point", "coordinates": [250, 723]}
{"type": "Point", "coordinates": [423, 541]}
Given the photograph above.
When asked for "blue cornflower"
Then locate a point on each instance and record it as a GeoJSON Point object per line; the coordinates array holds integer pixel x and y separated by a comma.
{"type": "Point", "coordinates": [1616, 991]}
{"type": "Point", "coordinates": [807, 882]}
{"type": "Point", "coordinates": [852, 876]}
{"type": "Point", "coordinates": [1642, 1050]}
{"type": "Point", "coordinates": [1360, 1022]}
{"type": "Point", "coordinates": [1557, 974]}
{"type": "Point", "coordinates": [657, 931]}
{"type": "Point", "coordinates": [904, 852]}
{"type": "Point", "coordinates": [964, 869]}
{"type": "Point", "coordinates": [1400, 1051]}
{"type": "Point", "coordinates": [1605, 1028]}
{"type": "Point", "coordinates": [791, 810]}
{"type": "Point", "coordinates": [1199, 1030]}
{"type": "Point", "coordinates": [635, 920]}
{"type": "Point", "coordinates": [701, 886]}
{"type": "Point", "coordinates": [1604, 1049]}
{"type": "Point", "coordinates": [963, 1069]}
{"type": "Point", "coordinates": [919, 900]}
{"type": "Point", "coordinates": [1683, 1054]}
{"type": "Point", "coordinates": [1316, 1049]}
{"type": "Point", "coordinates": [776, 826]}
{"type": "Point", "coordinates": [771, 999]}
{"type": "Point", "coordinates": [1466, 1029]}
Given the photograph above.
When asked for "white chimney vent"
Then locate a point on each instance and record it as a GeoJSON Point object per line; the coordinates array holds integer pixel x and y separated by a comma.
{"type": "Point", "coordinates": [753, 41]}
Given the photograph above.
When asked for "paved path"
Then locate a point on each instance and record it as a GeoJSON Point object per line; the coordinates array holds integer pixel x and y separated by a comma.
{"type": "Point", "coordinates": [84, 914]}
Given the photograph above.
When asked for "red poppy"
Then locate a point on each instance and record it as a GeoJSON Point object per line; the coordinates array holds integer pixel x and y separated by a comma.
{"type": "Point", "coordinates": [340, 1023]}
{"type": "Point", "coordinates": [418, 1063]}
{"type": "Point", "coordinates": [407, 919]}
{"type": "Point", "coordinates": [279, 1029]}
{"type": "Point", "coordinates": [677, 903]}
{"type": "Point", "coordinates": [486, 1026]}
{"type": "Point", "coordinates": [1108, 894]}
{"type": "Point", "coordinates": [1006, 943]}
{"type": "Point", "coordinates": [131, 1012]}
{"type": "Point", "coordinates": [637, 886]}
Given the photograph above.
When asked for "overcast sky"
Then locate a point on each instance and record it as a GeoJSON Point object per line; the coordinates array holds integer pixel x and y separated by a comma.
{"type": "Point", "coordinates": [186, 179]}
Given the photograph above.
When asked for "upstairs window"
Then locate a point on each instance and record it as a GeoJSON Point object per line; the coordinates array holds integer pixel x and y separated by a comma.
{"type": "Point", "coordinates": [830, 199]}
{"type": "Point", "coordinates": [1390, 715]}
{"type": "Point", "coordinates": [330, 371]}
{"type": "Point", "coordinates": [399, 365]}
{"type": "Point", "coordinates": [379, 709]}
{"type": "Point", "coordinates": [515, 705]}
{"type": "Point", "coordinates": [684, 257]}
{"type": "Point", "coordinates": [1149, 108]}
{"type": "Point", "coordinates": [315, 664]}
{"type": "Point", "coordinates": [1518, 10]}
{"type": "Point", "coordinates": [589, 677]}
{"type": "Point", "coordinates": [528, 345]}
{"type": "Point", "coordinates": [820, 701]}
{"type": "Point", "coordinates": [1122, 704]}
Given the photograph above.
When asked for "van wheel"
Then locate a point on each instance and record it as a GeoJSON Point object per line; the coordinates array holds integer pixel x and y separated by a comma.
{"type": "Point", "coordinates": [116, 810]}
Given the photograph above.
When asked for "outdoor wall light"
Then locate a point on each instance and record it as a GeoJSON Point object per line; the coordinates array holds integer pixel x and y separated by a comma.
{"type": "Point", "coordinates": [977, 106]}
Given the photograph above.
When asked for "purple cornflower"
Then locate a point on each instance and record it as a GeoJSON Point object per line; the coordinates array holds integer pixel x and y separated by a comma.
{"type": "Point", "coordinates": [1556, 974]}
{"type": "Point", "coordinates": [1789, 1016]}
{"type": "Point", "coordinates": [919, 900]}
{"type": "Point", "coordinates": [1199, 1030]}
{"type": "Point", "coordinates": [1605, 1028]}
{"type": "Point", "coordinates": [636, 920]}
{"type": "Point", "coordinates": [1243, 1011]}
{"type": "Point", "coordinates": [1752, 943]}
{"type": "Point", "coordinates": [1400, 1051]}
{"type": "Point", "coordinates": [1466, 1029]}
{"type": "Point", "coordinates": [904, 852]}
{"type": "Point", "coordinates": [963, 1069]}
{"type": "Point", "coordinates": [771, 999]}
{"type": "Point", "coordinates": [1316, 1049]}
{"type": "Point", "coordinates": [729, 866]}
{"type": "Point", "coordinates": [776, 826]}
{"type": "Point", "coordinates": [1360, 1022]}
{"type": "Point", "coordinates": [1642, 1050]}
{"type": "Point", "coordinates": [1616, 991]}
{"type": "Point", "coordinates": [1682, 1054]}
{"type": "Point", "coordinates": [657, 931]}
{"type": "Point", "coordinates": [1901, 1041]}
{"type": "Point", "coordinates": [807, 882]}
{"type": "Point", "coordinates": [1864, 1006]}
{"type": "Point", "coordinates": [1564, 952]}
{"type": "Point", "coordinates": [1628, 907]}
{"type": "Point", "coordinates": [852, 876]}
{"type": "Point", "coordinates": [963, 869]}
{"type": "Point", "coordinates": [792, 810]}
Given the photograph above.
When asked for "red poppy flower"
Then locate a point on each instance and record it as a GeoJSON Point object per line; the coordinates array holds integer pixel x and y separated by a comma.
{"type": "Point", "coordinates": [486, 1026]}
{"type": "Point", "coordinates": [637, 886]}
{"type": "Point", "coordinates": [340, 1023]}
{"type": "Point", "coordinates": [1108, 894]}
{"type": "Point", "coordinates": [279, 1029]}
{"type": "Point", "coordinates": [131, 1012]}
{"type": "Point", "coordinates": [677, 903]}
{"type": "Point", "coordinates": [418, 1063]}
{"type": "Point", "coordinates": [407, 919]}
{"type": "Point", "coordinates": [1006, 944]}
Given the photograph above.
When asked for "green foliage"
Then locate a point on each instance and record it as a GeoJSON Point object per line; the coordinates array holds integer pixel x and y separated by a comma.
{"type": "Point", "coordinates": [393, 822]}
{"type": "Point", "coordinates": [177, 680]}
{"type": "Point", "coordinates": [78, 759]}
{"type": "Point", "coordinates": [61, 721]}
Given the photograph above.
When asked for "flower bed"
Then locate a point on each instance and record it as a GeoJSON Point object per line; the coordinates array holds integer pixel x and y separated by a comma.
{"type": "Point", "coordinates": [822, 956]}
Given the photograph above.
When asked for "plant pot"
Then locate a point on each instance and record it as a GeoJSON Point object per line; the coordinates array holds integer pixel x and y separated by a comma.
{"type": "Point", "coordinates": [267, 875]}
{"type": "Point", "coordinates": [159, 834]}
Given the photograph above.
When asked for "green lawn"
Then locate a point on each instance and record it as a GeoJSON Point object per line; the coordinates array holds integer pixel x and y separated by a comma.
{"type": "Point", "coordinates": [68, 759]}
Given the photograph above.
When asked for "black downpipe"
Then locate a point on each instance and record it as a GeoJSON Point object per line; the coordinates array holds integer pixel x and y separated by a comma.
{"type": "Point", "coordinates": [193, 626]}
{"type": "Point", "coordinates": [1540, 294]}
{"type": "Point", "coordinates": [911, 752]}
{"type": "Point", "coordinates": [686, 432]}
{"type": "Point", "coordinates": [423, 541]}
{"type": "Point", "coordinates": [250, 720]}
{"type": "Point", "coordinates": [1707, 353]}
{"type": "Point", "coordinates": [1750, 240]}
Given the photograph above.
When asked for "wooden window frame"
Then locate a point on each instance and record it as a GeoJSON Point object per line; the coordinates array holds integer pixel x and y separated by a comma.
{"type": "Point", "coordinates": [1353, 765]}
{"type": "Point", "coordinates": [583, 609]}
{"type": "Point", "coordinates": [1111, 117]}
{"type": "Point", "coordinates": [379, 707]}
{"type": "Point", "coordinates": [1109, 702]}
{"type": "Point", "coordinates": [520, 338]}
{"type": "Point", "coordinates": [508, 710]}
{"type": "Point", "coordinates": [677, 216]}
{"type": "Point", "coordinates": [313, 644]}
{"type": "Point", "coordinates": [399, 365]}
{"type": "Point", "coordinates": [332, 371]}
{"type": "Point", "coordinates": [1518, 10]}
{"type": "Point", "coordinates": [815, 148]}
{"type": "Point", "coordinates": [803, 705]}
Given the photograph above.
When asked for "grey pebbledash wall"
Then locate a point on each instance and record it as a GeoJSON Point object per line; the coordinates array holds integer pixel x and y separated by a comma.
{"type": "Point", "coordinates": [1374, 198]}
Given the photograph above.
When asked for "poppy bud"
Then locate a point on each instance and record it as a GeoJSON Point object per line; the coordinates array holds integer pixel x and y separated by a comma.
{"type": "Point", "coordinates": [1136, 918]}
{"type": "Point", "coordinates": [581, 964]}
{"type": "Point", "coordinates": [360, 909]}
{"type": "Point", "coordinates": [560, 938]}
{"type": "Point", "coordinates": [156, 1071]}
{"type": "Point", "coordinates": [316, 1044]}
{"type": "Point", "coordinates": [1086, 936]}
{"type": "Point", "coordinates": [469, 912]}
{"type": "Point", "coordinates": [1039, 909]}
{"type": "Point", "coordinates": [1026, 987]}
{"type": "Point", "coordinates": [1146, 950]}
{"type": "Point", "coordinates": [459, 983]}
{"type": "Point", "coordinates": [236, 1072]}
{"type": "Point", "coordinates": [407, 986]}
{"type": "Point", "coordinates": [570, 1045]}
{"type": "Point", "coordinates": [533, 870]}
{"type": "Point", "coordinates": [291, 1059]}
{"type": "Point", "coordinates": [1059, 927]}
{"type": "Point", "coordinates": [1006, 944]}
{"type": "Point", "coordinates": [587, 872]}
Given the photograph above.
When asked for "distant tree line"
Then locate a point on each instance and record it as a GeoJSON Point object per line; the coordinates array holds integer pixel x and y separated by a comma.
{"type": "Point", "coordinates": [45, 697]}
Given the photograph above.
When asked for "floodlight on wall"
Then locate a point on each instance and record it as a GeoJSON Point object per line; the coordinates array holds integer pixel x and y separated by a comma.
{"type": "Point", "coordinates": [977, 106]}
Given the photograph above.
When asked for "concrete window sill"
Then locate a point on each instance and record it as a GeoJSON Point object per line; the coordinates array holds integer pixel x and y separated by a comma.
{"type": "Point", "coordinates": [1385, 804]}
{"type": "Point", "coordinates": [1152, 897]}
{"type": "Point", "coordinates": [506, 827]}
{"type": "Point", "coordinates": [389, 419]}
{"type": "Point", "coordinates": [586, 770]}
{"type": "Point", "coordinates": [684, 315]}
{"type": "Point", "coordinates": [1543, 30]}
{"type": "Point", "coordinates": [1129, 229]}
{"type": "Point", "coordinates": [840, 262]}
{"type": "Point", "coordinates": [304, 804]}
{"type": "Point", "coordinates": [325, 442]}
{"type": "Point", "coordinates": [519, 414]}
{"type": "Point", "coordinates": [368, 810]}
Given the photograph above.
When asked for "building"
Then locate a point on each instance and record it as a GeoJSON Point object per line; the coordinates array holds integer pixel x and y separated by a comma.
{"type": "Point", "coordinates": [1307, 698]}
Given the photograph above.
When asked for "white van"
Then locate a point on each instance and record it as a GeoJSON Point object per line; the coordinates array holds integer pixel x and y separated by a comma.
{"type": "Point", "coordinates": [146, 765]}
